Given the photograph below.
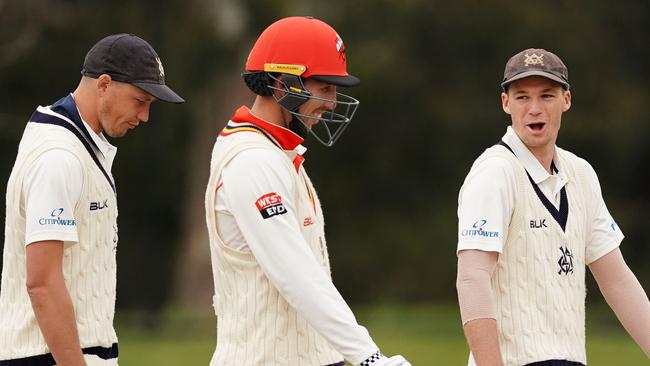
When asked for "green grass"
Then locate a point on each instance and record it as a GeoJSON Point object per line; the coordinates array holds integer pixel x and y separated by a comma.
{"type": "Point", "coordinates": [425, 334]}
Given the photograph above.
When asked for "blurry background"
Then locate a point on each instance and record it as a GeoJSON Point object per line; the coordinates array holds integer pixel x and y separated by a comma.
{"type": "Point", "coordinates": [430, 104]}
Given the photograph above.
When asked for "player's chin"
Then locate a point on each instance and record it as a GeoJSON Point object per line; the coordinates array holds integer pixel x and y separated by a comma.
{"type": "Point", "coordinates": [117, 134]}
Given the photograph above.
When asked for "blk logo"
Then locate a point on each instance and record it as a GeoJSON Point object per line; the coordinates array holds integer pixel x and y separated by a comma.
{"type": "Point", "coordinates": [98, 205]}
{"type": "Point", "coordinates": [565, 262]}
{"type": "Point", "coordinates": [538, 224]}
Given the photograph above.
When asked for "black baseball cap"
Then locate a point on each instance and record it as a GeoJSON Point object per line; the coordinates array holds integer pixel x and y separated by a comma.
{"type": "Point", "coordinates": [129, 59]}
{"type": "Point", "coordinates": [535, 61]}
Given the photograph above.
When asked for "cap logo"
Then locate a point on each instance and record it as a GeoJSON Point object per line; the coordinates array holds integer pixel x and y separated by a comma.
{"type": "Point", "coordinates": [339, 43]}
{"type": "Point", "coordinates": [160, 68]}
{"type": "Point", "coordinates": [340, 47]}
{"type": "Point", "coordinates": [534, 59]}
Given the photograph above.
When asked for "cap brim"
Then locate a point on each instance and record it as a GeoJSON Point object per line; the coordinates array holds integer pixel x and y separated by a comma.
{"type": "Point", "coordinates": [160, 91]}
{"type": "Point", "coordinates": [545, 74]}
{"type": "Point", "coordinates": [344, 81]}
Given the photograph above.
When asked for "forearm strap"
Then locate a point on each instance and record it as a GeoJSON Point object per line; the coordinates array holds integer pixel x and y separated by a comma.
{"type": "Point", "coordinates": [475, 269]}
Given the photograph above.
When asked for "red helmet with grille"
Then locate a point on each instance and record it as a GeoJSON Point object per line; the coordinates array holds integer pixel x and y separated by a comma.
{"type": "Point", "coordinates": [302, 46]}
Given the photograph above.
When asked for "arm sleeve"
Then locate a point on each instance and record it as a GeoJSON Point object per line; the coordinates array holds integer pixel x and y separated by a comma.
{"type": "Point", "coordinates": [625, 296]}
{"type": "Point", "coordinates": [605, 234]}
{"type": "Point", "coordinates": [473, 283]}
{"type": "Point", "coordinates": [485, 205]}
{"type": "Point", "coordinates": [52, 187]}
{"type": "Point", "coordinates": [277, 243]}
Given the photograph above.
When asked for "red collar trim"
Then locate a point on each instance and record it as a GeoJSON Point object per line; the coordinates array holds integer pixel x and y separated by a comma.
{"type": "Point", "coordinates": [285, 137]}
{"type": "Point", "coordinates": [297, 162]}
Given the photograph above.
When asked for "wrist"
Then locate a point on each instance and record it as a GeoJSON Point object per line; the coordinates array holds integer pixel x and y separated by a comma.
{"type": "Point", "coordinates": [373, 359]}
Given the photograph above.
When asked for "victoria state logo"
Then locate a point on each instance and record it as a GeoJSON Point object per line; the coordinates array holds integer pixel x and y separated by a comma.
{"type": "Point", "coordinates": [566, 261]}
{"type": "Point", "coordinates": [478, 230]}
{"type": "Point", "coordinates": [270, 205]}
{"type": "Point", "coordinates": [55, 219]}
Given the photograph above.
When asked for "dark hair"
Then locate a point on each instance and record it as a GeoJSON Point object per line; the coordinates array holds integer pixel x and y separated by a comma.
{"type": "Point", "coordinates": [258, 82]}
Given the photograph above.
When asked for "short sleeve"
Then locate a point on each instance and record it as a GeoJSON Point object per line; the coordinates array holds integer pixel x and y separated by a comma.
{"type": "Point", "coordinates": [485, 205]}
{"type": "Point", "coordinates": [52, 187]}
{"type": "Point", "coordinates": [605, 234]}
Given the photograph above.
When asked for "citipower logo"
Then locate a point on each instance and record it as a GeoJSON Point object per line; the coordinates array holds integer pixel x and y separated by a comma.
{"type": "Point", "coordinates": [56, 219]}
{"type": "Point", "coordinates": [478, 230]}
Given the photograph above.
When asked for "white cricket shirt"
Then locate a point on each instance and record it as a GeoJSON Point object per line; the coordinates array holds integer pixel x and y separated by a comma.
{"type": "Point", "coordinates": [54, 181]}
{"type": "Point", "coordinates": [249, 177]}
{"type": "Point", "coordinates": [487, 200]}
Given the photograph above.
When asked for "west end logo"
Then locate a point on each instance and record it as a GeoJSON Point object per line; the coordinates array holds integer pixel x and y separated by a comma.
{"type": "Point", "coordinates": [56, 219]}
{"type": "Point", "coordinates": [270, 205]}
{"type": "Point", "coordinates": [478, 230]}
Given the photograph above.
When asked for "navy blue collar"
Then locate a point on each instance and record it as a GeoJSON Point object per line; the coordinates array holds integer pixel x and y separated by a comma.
{"type": "Point", "coordinates": [561, 215]}
{"type": "Point", "coordinates": [67, 108]}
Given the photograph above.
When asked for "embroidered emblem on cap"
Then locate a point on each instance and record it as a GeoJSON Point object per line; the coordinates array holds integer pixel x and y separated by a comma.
{"type": "Point", "coordinates": [534, 59]}
{"type": "Point", "coordinates": [160, 68]}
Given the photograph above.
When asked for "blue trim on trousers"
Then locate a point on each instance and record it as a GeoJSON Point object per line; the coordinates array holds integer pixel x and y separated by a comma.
{"type": "Point", "coordinates": [555, 363]}
{"type": "Point", "coordinates": [105, 353]}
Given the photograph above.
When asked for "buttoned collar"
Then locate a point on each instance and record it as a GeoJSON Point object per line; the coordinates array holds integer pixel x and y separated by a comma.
{"type": "Point", "coordinates": [530, 162]}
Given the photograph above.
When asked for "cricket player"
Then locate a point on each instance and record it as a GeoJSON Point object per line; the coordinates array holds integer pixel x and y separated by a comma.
{"type": "Point", "coordinates": [531, 218]}
{"type": "Point", "coordinates": [274, 297]}
{"type": "Point", "coordinates": [57, 298]}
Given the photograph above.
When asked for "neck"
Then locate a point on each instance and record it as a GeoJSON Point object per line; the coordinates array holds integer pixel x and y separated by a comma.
{"type": "Point", "coordinates": [87, 105]}
{"type": "Point", "coordinates": [545, 156]}
{"type": "Point", "coordinates": [267, 109]}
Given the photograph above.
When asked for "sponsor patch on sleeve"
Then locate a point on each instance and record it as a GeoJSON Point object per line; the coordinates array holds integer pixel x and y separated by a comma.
{"type": "Point", "coordinates": [270, 205]}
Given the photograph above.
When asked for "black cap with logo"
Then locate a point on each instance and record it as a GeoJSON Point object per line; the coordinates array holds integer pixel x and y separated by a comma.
{"type": "Point", "coordinates": [129, 59]}
{"type": "Point", "coordinates": [535, 61]}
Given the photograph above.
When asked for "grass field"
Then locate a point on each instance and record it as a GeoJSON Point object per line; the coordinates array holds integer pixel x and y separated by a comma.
{"type": "Point", "coordinates": [424, 334]}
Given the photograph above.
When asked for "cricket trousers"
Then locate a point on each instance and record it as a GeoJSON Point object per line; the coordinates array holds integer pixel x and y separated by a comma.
{"type": "Point", "coordinates": [555, 363]}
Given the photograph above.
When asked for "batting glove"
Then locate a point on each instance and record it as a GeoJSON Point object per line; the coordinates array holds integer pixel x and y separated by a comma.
{"type": "Point", "coordinates": [377, 359]}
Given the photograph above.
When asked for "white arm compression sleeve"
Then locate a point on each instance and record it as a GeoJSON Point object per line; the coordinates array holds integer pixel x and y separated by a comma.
{"type": "Point", "coordinates": [475, 269]}
{"type": "Point", "coordinates": [625, 296]}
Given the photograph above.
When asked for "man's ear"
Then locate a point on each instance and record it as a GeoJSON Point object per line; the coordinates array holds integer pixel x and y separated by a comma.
{"type": "Point", "coordinates": [103, 82]}
{"type": "Point", "coordinates": [505, 102]}
{"type": "Point", "coordinates": [567, 100]}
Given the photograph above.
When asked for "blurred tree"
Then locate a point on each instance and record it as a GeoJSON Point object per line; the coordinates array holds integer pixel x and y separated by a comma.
{"type": "Point", "coordinates": [430, 74]}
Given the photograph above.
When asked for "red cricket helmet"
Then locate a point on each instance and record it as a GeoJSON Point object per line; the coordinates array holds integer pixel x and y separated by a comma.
{"type": "Point", "coordinates": [302, 46]}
